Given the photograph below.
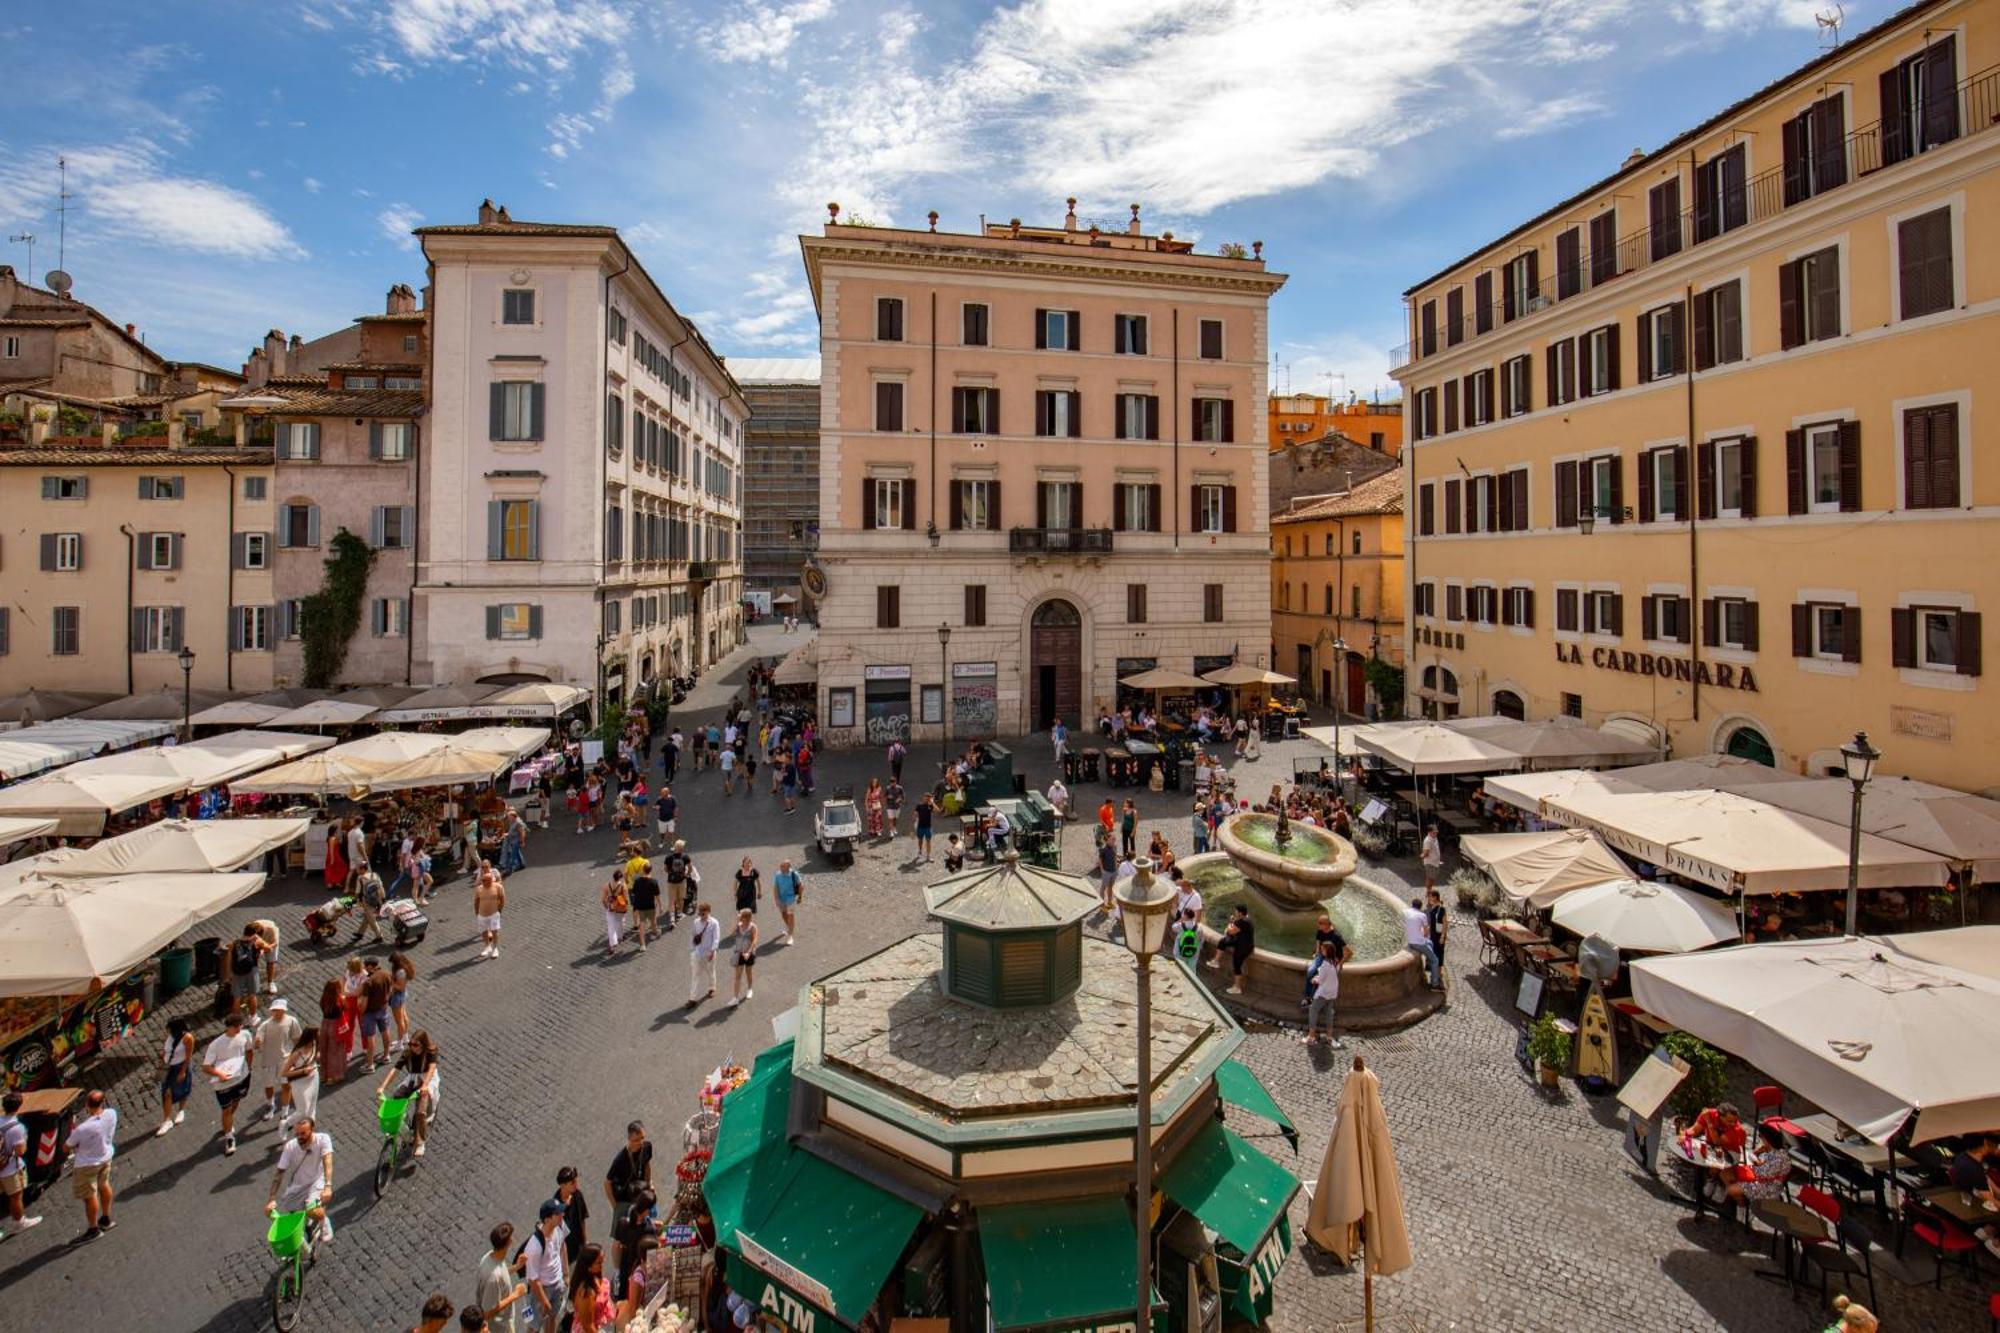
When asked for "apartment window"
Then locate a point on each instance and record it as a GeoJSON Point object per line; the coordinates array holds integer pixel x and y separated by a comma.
{"type": "Point", "coordinates": [1663, 218]}
{"type": "Point", "coordinates": [1209, 334]}
{"type": "Point", "coordinates": [1930, 457]}
{"type": "Point", "coordinates": [614, 326]}
{"type": "Point", "coordinates": [1523, 284]}
{"type": "Point", "coordinates": [1572, 705]}
{"type": "Point", "coordinates": [888, 608]}
{"type": "Point", "coordinates": [256, 488]}
{"type": "Point", "coordinates": [10, 347]}
{"type": "Point", "coordinates": [1453, 512]}
{"type": "Point", "coordinates": [389, 441]}
{"type": "Point", "coordinates": [388, 617]}
{"type": "Point", "coordinates": [1427, 323]}
{"type": "Point", "coordinates": [1936, 638]}
{"type": "Point", "coordinates": [1059, 330]}
{"type": "Point", "coordinates": [1454, 602]}
{"type": "Point", "coordinates": [1920, 101]}
{"type": "Point", "coordinates": [409, 342]}
{"type": "Point", "coordinates": [1479, 504]}
{"type": "Point", "coordinates": [1726, 479]}
{"type": "Point", "coordinates": [1568, 618]}
{"type": "Point", "coordinates": [1058, 504]}
{"type": "Point", "coordinates": [62, 552]}
{"type": "Point", "coordinates": [1517, 607]}
{"type": "Point", "coordinates": [1663, 618]}
{"type": "Point", "coordinates": [1730, 622]}
{"type": "Point", "coordinates": [1454, 317]}
{"type": "Point", "coordinates": [1605, 487]}
{"type": "Point", "coordinates": [1809, 298]}
{"type": "Point", "coordinates": [1211, 603]}
{"type": "Point", "coordinates": [1562, 372]}
{"type": "Point", "coordinates": [253, 550]}
{"type": "Point", "coordinates": [1600, 360]}
{"type": "Point", "coordinates": [1427, 414]}
{"type": "Point", "coordinates": [1211, 508]}
{"type": "Point", "coordinates": [1482, 605]}
{"type": "Point", "coordinates": [1603, 612]}
{"type": "Point", "coordinates": [1058, 412]}
{"type": "Point", "coordinates": [1815, 144]}
{"type": "Point", "coordinates": [517, 306]}
{"type": "Point", "coordinates": [514, 620]}
{"type": "Point", "coordinates": [1130, 333]}
{"type": "Point", "coordinates": [296, 441]}
{"type": "Point", "coordinates": [515, 410]}
{"type": "Point", "coordinates": [891, 502]}
{"type": "Point", "coordinates": [291, 613]}
{"type": "Point", "coordinates": [1482, 303]}
{"type": "Point", "coordinates": [1604, 247]}
{"type": "Point", "coordinates": [1138, 507]}
{"type": "Point", "coordinates": [361, 381]}
{"type": "Point", "coordinates": [1662, 337]}
{"type": "Point", "coordinates": [392, 527]}
{"type": "Point", "coordinates": [66, 630]}
{"type": "Point", "coordinates": [1511, 500]}
{"type": "Point", "coordinates": [614, 425]}
{"type": "Point", "coordinates": [888, 319]}
{"type": "Point", "coordinates": [1827, 631]}
{"type": "Point", "coordinates": [975, 411]}
{"type": "Point", "coordinates": [1214, 420]}
{"type": "Point", "coordinates": [1718, 326]}
{"type": "Point", "coordinates": [156, 629]}
{"type": "Point", "coordinates": [1923, 264]}
{"type": "Point", "coordinates": [1427, 509]}
{"type": "Point", "coordinates": [1517, 386]}
{"type": "Point", "coordinates": [298, 525]}
{"type": "Point", "coordinates": [250, 628]}
{"type": "Point", "coordinates": [1721, 202]}
{"type": "Point", "coordinates": [1569, 263]}
{"type": "Point", "coordinates": [975, 604]}
{"type": "Point", "coordinates": [162, 488]}
{"type": "Point", "coordinates": [513, 530]}
{"type": "Point", "coordinates": [975, 506]}
{"type": "Point", "coordinates": [889, 405]}
{"type": "Point", "coordinates": [1135, 603]}
{"type": "Point", "coordinates": [1479, 398]}
{"type": "Point", "coordinates": [1661, 482]}
{"type": "Point", "coordinates": [1823, 468]}
{"type": "Point", "coordinates": [1138, 416]}
{"type": "Point", "coordinates": [159, 550]}
{"type": "Point", "coordinates": [974, 318]}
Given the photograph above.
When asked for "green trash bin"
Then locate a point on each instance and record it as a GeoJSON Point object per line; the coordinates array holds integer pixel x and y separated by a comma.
{"type": "Point", "coordinates": [176, 971]}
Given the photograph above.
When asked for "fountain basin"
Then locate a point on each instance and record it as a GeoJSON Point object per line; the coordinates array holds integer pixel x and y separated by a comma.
{"type": "Point", "coordinates": [1308, 868]}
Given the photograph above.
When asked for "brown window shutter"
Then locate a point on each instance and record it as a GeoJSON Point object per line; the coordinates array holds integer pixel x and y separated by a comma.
{"type": "Point", "coordinates": [958, 411]}
{"type": "Point", "coordinates": [1801, 630]}
{"type": "Point", "coordinates": [1941, 94]}
{"type": "Point", "coordinates": [1041, 330]}
{"type": "Point", "coordinates": [1042, 503]}
{"type": "Point", "coordinates": [957, 505]}
{"type": "Point", "coordinates": [1566, 609]}
{"type": "Point", "coordinates": [1450, 406]}
{"type": "Point", "coordinates": [1486, 395]}
{"type": "Point", "coordinates": [1482, 302]}
{"type": "Point", "coordinates": [1500, 514]}
{"type": "Point", "coordinates": [868, 502]}
{"type": "Point", "coordinates": [1534, 274]}
{"type": "Point", "coordinates": [1426, 512]}
{"type": "Point", "coordinates": [1555, 382]}
{"type": "Point", "coordinates": [1704, 356]}
{"type": "Point", "coordinates": [1566, 494]}
{"type": "Point", "coordinates": [1850, 466]}
{"type": "Point", "coordinates": [1617, 623]}
{"type": "Point", "coordinates": [1829, 145]}
{"type": "Point", "coordinates": [1944, 455]}
{"type": "Point", "coordinates": [1229, 509]}
{"type": "Point", "coordinates": [1645, 345]}
{"type": "Point", "coordinates": [1663, 205]}
{"type": "Point", "coordinates": [1902, 637]}
{"type": "Point", "coordinates": [1711, 622]}
{"type": "Point", "coordinates": [1452, 512]}
{"type": "Point", "coordinates": [1795, 158]}
{"type": "Point", "coordinates": [1042, 399]}
{"type": "Point", "coordinates": [1075, 325]}
{"type": "Point", "coordinates": [1728, 301]}
{"type": "Point", "coordinates": [1895, 130]}
{"type": "Point", "coordinates": [1506, 608]}
{"type": "Point", "coordinates": [1526, 401]}
{"type": "Point", "coordinates": [1229, 421]}
{"type": "Point", "coordinates": [1704, 479]}
{"type": "Point", "coordinates": [1825, 293]}
{"type": "Point", "coordinates": [1795, 472]}
{"type": "Point", "coordinates": [1916, 459]}
{"type": "Point", "coordinates": [1646, 513]}
{"type": "Point", "coordinates": [910, 504]}
{"type": "Point", "coordinates": [1617, 488]}
{"type": "Point", "coordinates": [1611, 352]}
{"type": "Point", "coordinates": [1790, 332]}
{"type": "Point", "coordinates": [1506, 389]}
{"type": "Point", "coordinates": [992, 506]}
{"type": "Point", "coordinates": [1528, 607]}
{"type": "Point", "coordinates": [1569, 263]}
{"type": "Point", "coordinates": [1509, 312]}
{"type": "Point", "coordinates": [1194, 509]}
{"type": "Point", "coordinates": [1966, 642]}
{"type": "Point", "coordinates": [1521, 500]}
{"type": "Point", "coordinates": [1750, 627]}
{"type": "Point", "coordinates": [1075, 414]}
{"type": "Point", "coordinates": [1677, 320]}
{"type": "Point", "coordinates": [1850, 634]}
{"type": "Point", "coordinates": [1454, 317]}
{"type": "Point", "coordinates": [1747, 457]}
{"type": "Point", "coordinates": [1649, 617]}
{"type": "Point", "coordinates": [1194, 421]}
{"type": "Point", "coordinates": [1118, 507]}
{"type": "Point", "coordinates": [1152, 416]}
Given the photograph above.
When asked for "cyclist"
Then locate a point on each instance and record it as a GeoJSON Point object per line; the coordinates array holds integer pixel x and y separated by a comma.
{"type": "Point", "coordinates": [415, 1073]}
{"type": "Point", "coordinates": [303, 1181]}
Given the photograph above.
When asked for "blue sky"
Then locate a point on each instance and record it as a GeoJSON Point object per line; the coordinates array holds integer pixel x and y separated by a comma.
{"type": "Point", "coordinates": [258, 163]}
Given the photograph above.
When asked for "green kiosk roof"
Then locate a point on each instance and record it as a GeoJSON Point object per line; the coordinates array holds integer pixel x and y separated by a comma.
{"type": "Point", "coordinates": [825, 1236]}
{"type": "Point", "coordinates": [1239, 1087]}
{"type": "Point", "coordinates": [1061, 1265]}
{"type": "Point", "coordinates": [1236, 1191]}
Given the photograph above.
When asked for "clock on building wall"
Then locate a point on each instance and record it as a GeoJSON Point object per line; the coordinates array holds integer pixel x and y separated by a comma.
{"type": "Point", "coordinates": [813, 579]}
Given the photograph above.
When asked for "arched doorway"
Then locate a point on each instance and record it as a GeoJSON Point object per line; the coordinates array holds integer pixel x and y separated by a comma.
{"type": "Point", "coordinates": [1055, 663]}
{"type": "Point", "coordinates": [1750, 743]}
{"type": "Point", "coordinates": [1506, 703]}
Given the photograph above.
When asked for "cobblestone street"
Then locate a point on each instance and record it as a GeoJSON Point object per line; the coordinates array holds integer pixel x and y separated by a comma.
{"type": "Point", "coordinates": [1525, 1212]}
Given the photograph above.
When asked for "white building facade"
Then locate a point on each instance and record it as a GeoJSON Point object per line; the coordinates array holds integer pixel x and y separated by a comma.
{"type": "Point", "coordinates": [582, 488]}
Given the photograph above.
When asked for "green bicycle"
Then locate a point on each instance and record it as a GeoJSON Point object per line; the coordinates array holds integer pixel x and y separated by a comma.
{"type": "Point", "coordinates": [397, 1117]}
{"type": "Point", "coordinates": [293, 1248]}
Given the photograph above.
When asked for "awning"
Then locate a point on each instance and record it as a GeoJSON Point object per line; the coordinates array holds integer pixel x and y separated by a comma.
{"type": "Point", "coordinates": [1538, 868]}
{"type": "Point", "coordinates": [46, 745]}
{"type": "Point", "coordinates": [800, 667]}
{"type": "Point", "coordinates": [1058, 1265]}
{"type": "Point", "coordinates": [1239, 1087]}
{"type": "Point", "coordinates": [21, 829]}
{"type": "Point", "coordinates": [437, 704]}
{"type": "Point", "coordinates": [1249, 1284]}
{"type": "Point", "coordinates": [1425, 748]}
{"type": "Point", "coordinates": [1236, 1191]}
{"type": "Point", "coordinates": [535, 699]}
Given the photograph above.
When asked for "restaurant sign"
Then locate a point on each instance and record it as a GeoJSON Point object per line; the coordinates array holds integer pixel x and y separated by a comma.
{"type": "Point", "coordinates": [1722, 674]}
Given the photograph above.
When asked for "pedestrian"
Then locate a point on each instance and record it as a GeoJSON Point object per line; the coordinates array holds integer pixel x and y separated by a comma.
{"type": "Point", "coordinates": [787, 774]}
{"type": "Point", "coordinates": [616, 902]}
{"type": "Point", "coordinates": [576, 1212]}
{"type": "Point", "coordinates": [726, 761]}
{"type": "Point", "coordinates": [356, 853]}
{"type": "Point", "coordinates": [678, 867]}
{"type": "Point", "coordinates": [177, 1080]}
{"type": "Point", "coordinates": [698, 746]}
{"type": "Point", "coordinates": [489, 901]}
{"type": "Point", "coordinates": [749, 887]}
{"type": "Point", "coordinates": [804, 760]}
{"type": "Point", "coordinates": [426, 882]}
{"type": "Point", "coordinates": [371, 897]}
{"type": "Point", "coordinates": [300, 1073]}
{"type": "Point", "coordinates": [1417, 939]}
{"type": "Point", "coordinates": [644, 892]}
{"type": "Point", "coordinates": [954, 854]}
{"type": "Point", "coordinates": [707, 938]}
{"type": "Point", "coordinates": [438, 1311]}
{"type": "Point", "coordinates": [1059, 738]}
{"type": "Point", "coordinates": [632, 1255]}
{"type": "Point", "coordinates": [512, 843]}
{"type": "Point", "coordinates": [666, 813]}
{"type": "Point", "coordinates": [245, 959]}
{"type": "Point", "coordinates": [92, 1143]}
{"type": "Point", "coordinates": [546, 1268]}
{"type": "Point", "coordinates": [631, 1169]}
{"type": "Point", "coordinates": [743, 954]}
{"type": "Point", "coordinates": [1200, 826]}
{"type": "Point", "coordinates": [335, 871]}
{"type": "Point", "coordinates": [1239, 938]}
{"type": "Point", "coordinates": [1432, 857]}
{"type": "Point", "coordinates": [376, 987]}
{"type": "Point", "coordinates": [1058, 797]}
{"type": "Point", "coordinates": [272, 1040]}
{"type": "Point", "coordinates": [1128, 829]}
{"type": "Point", "coordinates": [746, 754]}
{"type": "Point", "coordinates": [497, 1290]}
{"type": "Point", "coordinates": [670, 755]}
{"type": "Point", "coordinates": [1107, 867]}
{"type": "Point", "coordinates": [897, 752]}
{"type": "Point", "coordinates": [227, 1064]}
{"type": "Point", "coordinates": [334, 1035]}
{"type": "Point", "coordinates": [892, 804]}
{"type": "Point", "coordinates": [1438, 922]}
{"type": "Point", "coordinates": [1325, 983]}
{"type": "Point", "coordinates": [873, 802]}
{"type": "Point", "coordinates": [303, 1182]}
{"type": "Point", "coordinates": [401, 973]}
{"type": "Point", "coordinates": [1242, 734]}
{"type": "Point", "coordinates": [267, 931]}
{"type": "Point", "coordinates": [926, 809]}
{"type": "Point", "coordinates": [405, 878]}
{"type": "Point", "coordinates": [591, 1292]}
{"type": "Point", "coordinates": [14, 1166]}
{"type": "Point", "coordinates": [593, 800]}
{"type": "Point", "coordinates": [789, 888]}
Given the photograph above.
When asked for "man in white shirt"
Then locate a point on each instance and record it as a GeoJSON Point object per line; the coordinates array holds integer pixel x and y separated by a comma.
{"type": "Point", "coordinates": [543, 1263]}
{"type": "Point", "coordinates": [1417, 938]}
{"type": "Point", "coordinates": [92, 1144]}
{"type": "Point", "coordinates": [701, 955]}
{"type": "Point", "coordinates": [227, 1064]}
{"type": "Point", "coordinates": [275, 1036]}
{"type": "Point", "coordinates": [303, 1181]}
{"type": "Point", "coordinates": [727, 762]}
{"type": "Point", "coordinates": [14, 1167]}
{"type": "Point", "coordinates": [1059, 798]}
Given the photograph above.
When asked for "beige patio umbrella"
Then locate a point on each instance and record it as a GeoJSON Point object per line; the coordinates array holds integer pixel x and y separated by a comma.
{"type": "Point", "coordinates": [258, 709]}
{"type": "Point", "coordinates": [447, 766]}
{"type": "Point", "coordinates": [81, 804]}
{"type": "Point", "coordinates": [1242, 673]}
{"type": "Point", "coordinates": [324, 774]}
{"type": "Point", "coordinates": [388, 748]}
{"type": "Point", "coordinates": [59, 936]}
{"type": "Point", "coordinates": [1533, 792]}
{"type": "Point", "coordinates": [199, 767]}
{"type": "Point", "coordinates": [1357, 1203]}
{"type": "Point", "coordinates": [20, 830]}
{"type": "Point", "coordinates": [1424, 749]}
{"type": "Point", "coordinates": [177, 846]}
{"type": "Point", "coordinates": [285, 744]}
{"type": "Point", "coordinates": [1643, 917]}
{"type": "Point", "coordinates": [27, 706]}
{"type": "Point", "coordinates": [161, 705]}
{"type": "Point", "coordinates": [1538, 868]}
{"type": "Point", "coordinates": [1961, 827]}
{"type": "Point", "coordinates": [512, 741]}
{"type": "Point", "coordinates": [538, 699]}
{"type": "Point", "coordinates": [1162, 678]}
{"type": "Point", "coordinates": [437, 703]}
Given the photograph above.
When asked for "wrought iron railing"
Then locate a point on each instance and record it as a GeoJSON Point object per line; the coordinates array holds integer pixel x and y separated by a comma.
{"type": "Point", "coordinates": [1059, 541]}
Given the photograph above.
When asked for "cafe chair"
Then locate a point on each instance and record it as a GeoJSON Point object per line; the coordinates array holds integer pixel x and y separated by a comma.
{"type": "Point", "coordinates": [1850, 1259]}
{"type": "Point", "coordinates": [1993, 1311]}
{"type": "Point", "coordinates": [1945, 1238]}
{"type": "Point", "coordinates": [1767, 1101]}
{"type": "Point", "coordinates": [1822, 1203]}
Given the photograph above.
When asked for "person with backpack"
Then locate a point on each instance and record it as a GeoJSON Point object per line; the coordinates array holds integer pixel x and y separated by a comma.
{"type": "Point", "coordinates": [246, 958]}
{"type": "Point", "coordinates": [1187, 937]}
{"type": "Point", "coordinates": [14, 1167]}
{"type": "Point", "coordinates": [371, 897]}
{"type": "Point", "coordinates": [617, 902]}
{"type": "Point", "coordinates": [227, 1064]}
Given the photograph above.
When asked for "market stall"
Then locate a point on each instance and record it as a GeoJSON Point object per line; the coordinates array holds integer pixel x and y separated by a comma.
{"type": "Point", "coordinates": [258, 709]}
{"type": "Point", "coordinates": [176, 846]}
{"type": "Point", "coordinates": [1539, 868]}
{"type": "Point", "coordinates": [446, 766]}
{"type": "Point", "coordinates": [46, 745]}
{"type": "Point", "coordinates": [17, 830]}
{"type": "Point", "coordinates": [436, 704]}
{"type": "Point", "coordinates": [285, 744]}
{"type": "Point", "coordinates": [63, 936]}
{"type": "Point", "coordinates": [1556, 742]}
{"type": "Point", "coordinates": [24, 708]}
{"type": "Point", "coordinates": [534, 700]}
{"type": "Point", "coordinates": [82, 804]}
{"type": "Point", "coordinates": [343, 710]}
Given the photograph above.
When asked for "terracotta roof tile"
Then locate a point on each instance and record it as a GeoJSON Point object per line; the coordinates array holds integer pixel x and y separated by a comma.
{"type": "Point", "coordinates": [324, 402]}
{"type": "Point", "coordinates": [1378, 495]}
{"type": "Point", "coordinates": [45, 322]}
{"type": "Point", "coordinates": [381, 367]}
{"type": "Point", "coordinates": [412, 317]}
{"type": "Point", "coordinates": [133, 457]}
{"type": "Point", "coordinates": [518, 229]}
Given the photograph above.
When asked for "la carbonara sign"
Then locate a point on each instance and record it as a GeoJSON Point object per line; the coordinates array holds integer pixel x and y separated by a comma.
{"type": "Point", "coordinates": [1722, 675]}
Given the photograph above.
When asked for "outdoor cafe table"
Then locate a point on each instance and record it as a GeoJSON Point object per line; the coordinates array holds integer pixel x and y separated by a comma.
{"type": "Point", "coordinates": [1869, 1156]}
{"type": "Point", "coordinates": [1966, 1208]}
{"type": "Point", "coordinates": [1699, 1160]}
{"type": "Point", "coordinates": [1508, 938]}
{"type": "Point", "coordinates": [1795, 1225]}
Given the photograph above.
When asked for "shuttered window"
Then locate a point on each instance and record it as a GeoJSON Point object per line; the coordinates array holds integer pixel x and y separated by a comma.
{"type": "Point", "coordinates": [1930, 457]}
{"type": "Point", "coordinates": [1815, 150]}
{"type": "Point", "coordinates": [1058, 330]}
{"type": "Point", "coordinates": [1567, 618]}
{"type": "Point", "coordinates": [1428, 326]}
{"type": "Point", "coordinates": [1214, 420]}
{"type": "Point", "coordinates": [1210, 333]}
{"type": "Point", "coordinates": [888, 607]}
{"type": "Point", "coordinates": [1936, 638]}
{"type": "Point", "coordinates": [514, 410]}
{"type": "Point", "coordinates": [975, 604]}
{"type": "Point", "coordinates": [517, 306]}
{"type": "Point", "coordinates": [1517, 386]}
{"type": "Point", "coordinates": [1717, 319]}
{"type": "Point", "coordinates": [1135, 603]}
{"type": "Point", "coordinates": [1823, 468]}
{"type": "Point", "coordinates": [1663, 219]}
{"type": "Point", "coordinates": [888, 319]}
{"type": "Point", "coordinates": [1721, 202]}
{"type": "Point", "coordinates": [1604, 264]}
{"type": "Point", "coordinates": [1482, 303]}
{"type": "Point", "coordinates": [1059, 413]}
{"type": "Point", "coordinates": [514, 620]}
{"type": "Point", "coordinates": [1129, 335]}
{"type": "Point", "coordinates": [1920, 100]}
{"type": "Point", "coordinates": [888, 405]}
{"type": "Point", "coordinates": [975, 411]}
{"type": "Point", "coordinates": [974, 324]}
{"type": "Point", "coordinates": [1137, 416]}
{"type": "Point", "coordinates": [1924, 263]}
{"type": "Point", "coordinates": [1827, 631]}
{"type": "Point", "coordinates": [1211, 603]}
{"type": "Point", "coordinates": [1809, 298]}
{"type": "Point", "coordinates": [513, 530]}
{"type": "Point", "coordinates": [65, 630]}
{"type": "Point", "coordinates": [1569, 263]}
{"type": "Point", "coordinates": [1454, 317]}
{"type": "Point", "coordinates": [1662, 342]}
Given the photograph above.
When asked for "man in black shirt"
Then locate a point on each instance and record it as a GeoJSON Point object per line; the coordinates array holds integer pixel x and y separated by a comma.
{"type": "Point", "coordinates": [1240, 938]}
{"type": "Point", "coordinates": [576, 1213]}
{"type": "Point", "coordinates": [675, 864]}
{"type": "Point", "coordinates": [632, 1169]}
{"type": "Point", "coordinates": [644, 892]}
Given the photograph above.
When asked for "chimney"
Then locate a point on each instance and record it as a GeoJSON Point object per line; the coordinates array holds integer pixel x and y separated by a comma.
{"type": "Point", "coordinates": [1637, 156]}
{"type": "Point", "coordinates": [297, 342]}
{"type": "Point", "coordinates": [503, 214]}
{"type": "Point", "coordinates": [1069, 218]}
{"type": "Point", "coordinates": [402, 301]}
{"type": "Point", "coordinates": [256, 370]}
{"type": "Point", "coordinates": [131, 330]}
{"type": "Point", "coordinates": [486, 214]}
{"type": "Point", "coordinates": [1132, 227]}
{"type": "Point", "coordinates": [274, 352]}
{"type": "Point", "coordinates": [9, 287]}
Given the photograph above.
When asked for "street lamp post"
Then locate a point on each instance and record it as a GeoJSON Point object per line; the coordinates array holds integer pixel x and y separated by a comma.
{"type": "Point", "coordinates": [1339, 648]}
{"type": "Point", "coordinates": [1144, 904]}
{"type": "Point", "coordinates": [187, 693]}
{"type": "Point", "coordinates": [1859, 757]}
{"type": "Point", "coordinates": [944, 697]}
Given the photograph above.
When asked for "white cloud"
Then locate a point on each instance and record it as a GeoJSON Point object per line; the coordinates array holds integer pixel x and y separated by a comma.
{"type": "Point", "coordinates": [312, 186]}
{"type": "Point", "coordinates": [762, 33]}
{"type": "Point", "coordinates": [1551, 115]}
{"type": "Point", "coordinates": [395, 222]}
{"type": "Point", "coordinates": [1737, 15]}
{"type": "Point", "coordinates": [545, 33]}
{"type": "Point", "coordinates": [126, 191]}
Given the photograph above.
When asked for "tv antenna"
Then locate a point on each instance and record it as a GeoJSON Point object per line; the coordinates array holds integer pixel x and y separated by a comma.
{"type": "Point", "coordinates": [27, 238]}
{"type": "Point", "coordinates": [1829, 24]}
{"type": "Point", "coordinates": [59, 281]}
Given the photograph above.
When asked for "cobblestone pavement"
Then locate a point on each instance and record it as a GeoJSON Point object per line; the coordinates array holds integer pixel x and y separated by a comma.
{"type": "Point", "coordinates": [1525, 1212]}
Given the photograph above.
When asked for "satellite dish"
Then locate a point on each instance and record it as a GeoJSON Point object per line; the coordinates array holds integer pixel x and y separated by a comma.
{"type": "Point", "coordinates": [59, 282]}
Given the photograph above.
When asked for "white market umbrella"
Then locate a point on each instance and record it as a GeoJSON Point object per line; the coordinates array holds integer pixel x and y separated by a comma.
{"type": "Point", "coordinates": [58, 936]}
{"type": "Point", "coordinates": [437, 704]}
{"type": "Point", "coordinates": [1539, 868]}
{"type": "Point", "coordinates": [1425, 749]}
{"type": "Point", "coordinates": [322, 774]}
{"type": "Point", "coordinates": [1705, 772]}
{"type": "Point", "coordinates": [517, 742]}
{"type": "Point", "coordinates": [1555, 741]}
{"type": "Point", "coordinates": [1873, 1034]}
{"type": "Point", "coordinates": [285, 744]}
{"type": "Point", "coordinates": [448, 766]}
{"type": "Point", "coordinates": [198, 767]}
{"type": "Point", "coordinates": [1357, 1202]}
{"type": "Point", "coordinates": [81, 804]}
{"type": "Point", "coordinates": [1162, 678]}
{"type": "Point", "coordinates": [47, 745]}
{"type": "Point", "coordinates": [1642, 917]}
{"type": "Point", "coordinates": [1238, 674]}
{"type": "Point", "coordinates": [163, 704]}
{"type": "Point", "coordinates": [525, 701]}
{"type": "Point", "coordinates": [1962, 828]}
{"type": "Point", "coordinates": [1349, 745]}
{"type": "Point", "coordinates": [325, 713]}
{"type": "Point", "coordinates": [388, 748]}
{"type": "Point", "coordinates": [1535, 792]}
{"type": "Point", "coordinates": [178, 846]}
{"type": "Point", "coordinates": [22, 829]}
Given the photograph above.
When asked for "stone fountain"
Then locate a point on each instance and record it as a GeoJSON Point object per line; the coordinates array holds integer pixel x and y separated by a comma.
{"type": "Point", "coordinates": [1297, 864]}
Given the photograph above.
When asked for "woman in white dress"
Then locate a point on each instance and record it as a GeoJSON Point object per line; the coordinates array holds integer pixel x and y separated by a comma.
{"type": "Point", "coordinates": [301, 1074]}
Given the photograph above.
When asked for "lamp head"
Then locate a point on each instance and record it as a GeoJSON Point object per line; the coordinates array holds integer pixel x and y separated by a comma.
{"type": "Point", "coordinates": [187, 658]}
{"type": "Point", "coordinates": [1859, 757]}
{"type": "Point", "coordinates": [944, 634]}
{"type": "Point", "coordinates": [1147, 906]}
{"type": "Point", "coordinates": [1586, 522]}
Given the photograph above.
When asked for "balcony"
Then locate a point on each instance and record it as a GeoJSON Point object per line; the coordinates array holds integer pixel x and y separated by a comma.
{"type": "Point", "coordinates": [1059, 541]}
{"type": "Point", "coordinates": [701, 571]}
{"type": "Point", "coordinates": [1975, 109]}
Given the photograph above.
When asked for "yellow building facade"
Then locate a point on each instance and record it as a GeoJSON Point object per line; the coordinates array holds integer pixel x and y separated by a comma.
{"type": "Point", "coordinates": [1298, 417]}
{"type": "Point", "coordinates": [1337, 579]}
{"type": "Point", "coordinates": [1701, 450]}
